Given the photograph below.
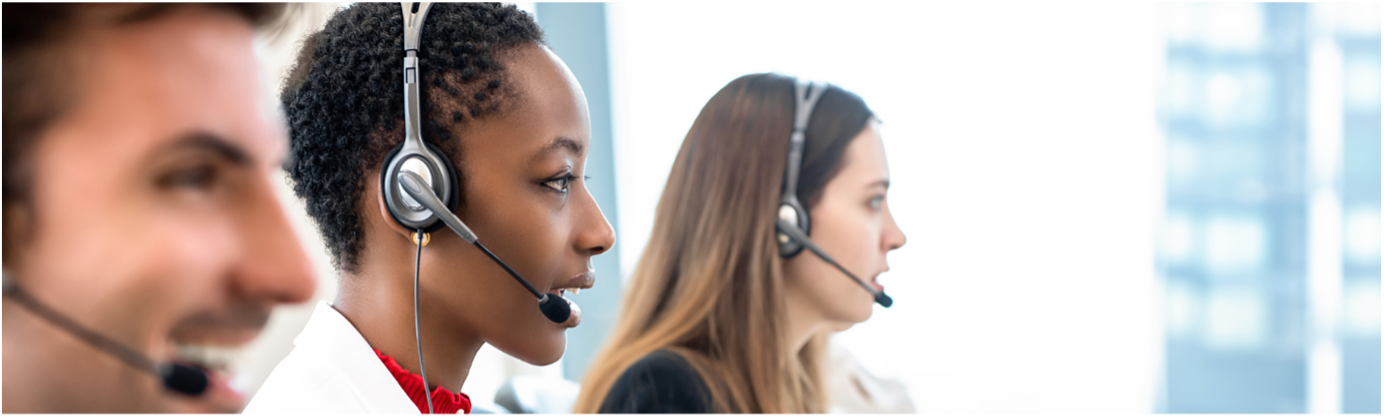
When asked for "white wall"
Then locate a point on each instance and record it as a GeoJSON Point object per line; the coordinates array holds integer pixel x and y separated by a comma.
{"type": "Point", "coordinates": [1022, 141]}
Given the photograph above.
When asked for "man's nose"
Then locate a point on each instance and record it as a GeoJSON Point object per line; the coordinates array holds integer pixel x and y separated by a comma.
{"type": "Point", "coordinates": [274, 269]}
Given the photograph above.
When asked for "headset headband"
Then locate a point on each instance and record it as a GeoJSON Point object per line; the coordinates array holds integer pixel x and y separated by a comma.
{"type": "Point", "coordinates": [413, 31]}
{"type": "Point", "coordinates": [793, 224]}
{"type": "Point", "coordinates": [806, 94]}
{"type": "Point", "coordinates": [414, 154]}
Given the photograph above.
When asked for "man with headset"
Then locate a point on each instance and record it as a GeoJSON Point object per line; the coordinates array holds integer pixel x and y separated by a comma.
{"type": "Point", "coordinates": [140, 222]}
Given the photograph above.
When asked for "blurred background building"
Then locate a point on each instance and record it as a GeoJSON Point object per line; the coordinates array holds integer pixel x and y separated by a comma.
{"type": "Point", "coordinates": [1270, 238]}
{"type": "Point", "coordinates": [1110, 207]}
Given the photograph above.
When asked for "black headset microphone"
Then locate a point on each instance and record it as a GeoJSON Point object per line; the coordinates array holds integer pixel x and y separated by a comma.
{"type": "Point", "coordinates": [787, 228]}
{"type": "Point", "coordinates": [420, 187]}
{"type": "Point", "coordinates": [793, 222]}
{"type": "Point", "coordinates": [410, 166]}
{"type": "Point", "coordinates": [176, 377]}
{"type": "Point", "coordinates": [553, 306]}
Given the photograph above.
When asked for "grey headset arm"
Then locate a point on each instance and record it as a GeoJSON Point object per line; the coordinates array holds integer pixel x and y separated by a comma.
{"type": "Point", "coordinates": [418, 189]}
{"type": "Point", "coordinates": [413, 31]}
{"type": "Point", "coordinates": [413, 23]}
{"type": "Point", "coordinates": [798, 235]}
{"type": "Point", "coordinates": [807, 101]}
{"type": "Point", "coordinates": [414, 186]}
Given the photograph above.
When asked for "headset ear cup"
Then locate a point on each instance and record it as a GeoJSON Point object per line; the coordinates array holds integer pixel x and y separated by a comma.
{"type": "Point", "coordinates": [454, 195]}
{"type": "Point", "coordinates": [788, 247]}
{"type": "Point", "coordinates": [384, 182]}
{"type": "Point", "coordinates": [443, 164]}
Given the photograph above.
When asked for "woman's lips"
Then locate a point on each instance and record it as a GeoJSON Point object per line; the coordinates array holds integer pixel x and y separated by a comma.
{"type": "Point", "coordinates": [579, 281]}
{"type": "Point", "coordinates": [583, 280]}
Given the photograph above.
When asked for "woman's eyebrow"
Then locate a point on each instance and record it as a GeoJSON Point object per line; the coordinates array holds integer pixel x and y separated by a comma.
{"type": "Point", "coordinates": [561, 143]}
{"type": "Point", "coordinates": [881, 182]}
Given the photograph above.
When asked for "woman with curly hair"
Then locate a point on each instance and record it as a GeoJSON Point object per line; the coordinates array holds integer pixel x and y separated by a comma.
{"type": "Point", "coordinates": [512, 119]}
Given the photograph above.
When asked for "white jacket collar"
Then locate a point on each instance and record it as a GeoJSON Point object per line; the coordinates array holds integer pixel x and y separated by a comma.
{"type": "Point", "coordinates": [331, 368]}
{"type": "Point", "coordinates": [330, 335]}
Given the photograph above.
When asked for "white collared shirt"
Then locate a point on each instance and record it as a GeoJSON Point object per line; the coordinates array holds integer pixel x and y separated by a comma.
{"type": "Point", "coordinates": [333, 370]}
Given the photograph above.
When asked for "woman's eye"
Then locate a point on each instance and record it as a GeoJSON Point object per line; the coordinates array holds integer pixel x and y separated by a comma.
{"type": "Point", "coordinates": [559, 184]}
{"type": "Point", "coordinates": [876, 201]}
{"type": "Point", "coordinates": [198, 178]}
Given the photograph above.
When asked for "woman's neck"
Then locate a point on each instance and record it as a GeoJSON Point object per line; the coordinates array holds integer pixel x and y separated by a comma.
{"type": "Point", "coordinates": [378, 300]}
{"type": "Point", "coordinates": [803, 322]}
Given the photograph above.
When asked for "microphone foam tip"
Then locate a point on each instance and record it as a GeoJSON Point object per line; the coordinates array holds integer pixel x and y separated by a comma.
{"type": "Point", "coordinates": [884, 300]}
{"type": "Point", "coordinates": [184, 379]}
{"type": "Point", "coordinates": [555, 308]}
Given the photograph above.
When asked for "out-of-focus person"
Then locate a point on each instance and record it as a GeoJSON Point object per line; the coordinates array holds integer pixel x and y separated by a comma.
{"type": "Point", "coordinates": [141, 229]}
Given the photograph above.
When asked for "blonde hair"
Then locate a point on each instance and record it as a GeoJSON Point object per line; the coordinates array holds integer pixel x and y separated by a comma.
{"type": "Point", "coordinates": [710, 285]}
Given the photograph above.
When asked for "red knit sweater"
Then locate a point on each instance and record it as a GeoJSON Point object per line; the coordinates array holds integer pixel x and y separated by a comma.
{"type": "Point", "coordinates": [444, 402]}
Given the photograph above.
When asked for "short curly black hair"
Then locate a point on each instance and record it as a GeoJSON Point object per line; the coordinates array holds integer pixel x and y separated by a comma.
{"type": "Point", "coordinates": [344, 99]}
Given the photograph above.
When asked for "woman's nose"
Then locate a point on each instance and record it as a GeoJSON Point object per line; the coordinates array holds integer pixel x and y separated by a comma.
{"type": "Point", "coordinates": [594, 234]}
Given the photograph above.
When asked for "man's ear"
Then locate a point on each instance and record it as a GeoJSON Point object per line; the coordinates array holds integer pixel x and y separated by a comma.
{"type": "Point", "coordinates": [373, 187]}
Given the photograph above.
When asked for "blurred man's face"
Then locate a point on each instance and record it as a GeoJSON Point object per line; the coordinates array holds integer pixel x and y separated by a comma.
{"type": "Point", "coordinates": [152, 218]}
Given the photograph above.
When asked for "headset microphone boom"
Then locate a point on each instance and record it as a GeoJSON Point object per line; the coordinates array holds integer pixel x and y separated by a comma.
{"type": "Point", "coordinates": [793, 222]}
{"type": "Point", "coordinates": [419, 185]}
{"type": "Point", "coordinates": [553, 306]}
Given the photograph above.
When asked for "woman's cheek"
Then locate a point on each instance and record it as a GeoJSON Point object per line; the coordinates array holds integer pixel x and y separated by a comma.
{"type": "Point", "coordinates": [863, 254]}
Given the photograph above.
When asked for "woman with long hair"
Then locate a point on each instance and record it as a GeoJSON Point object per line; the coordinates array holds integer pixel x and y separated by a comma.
{"type": "Point", "coordinates": [715, 318]}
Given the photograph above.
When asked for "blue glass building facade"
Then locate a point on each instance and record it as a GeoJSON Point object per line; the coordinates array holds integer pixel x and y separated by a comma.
{"type": "Point", "coordinates": [1234, 250]}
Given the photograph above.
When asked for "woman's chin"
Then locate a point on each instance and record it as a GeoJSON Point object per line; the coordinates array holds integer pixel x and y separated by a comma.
{"type": "Point", "coordinates": [541, 348]}
{"type": "Point", "coordinates": [856, 314]}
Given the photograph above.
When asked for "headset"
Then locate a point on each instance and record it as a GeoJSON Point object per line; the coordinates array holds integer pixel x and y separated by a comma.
{"type": "Point", "coordinates": [412, 177]}
{"type": "Point", "coordinates": [420, 187]}
{"type": "Point", "coordinates": [793, 222]}
{"type": "Point", "coordinates": [176, 377]}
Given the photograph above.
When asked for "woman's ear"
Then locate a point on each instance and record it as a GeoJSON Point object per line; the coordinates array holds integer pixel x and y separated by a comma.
{"type": "Point", "coordinates": [374, 188]}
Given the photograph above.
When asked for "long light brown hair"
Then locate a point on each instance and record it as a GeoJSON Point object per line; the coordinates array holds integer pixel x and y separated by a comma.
{"type": "Point", "coordinates": [710, 285]}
